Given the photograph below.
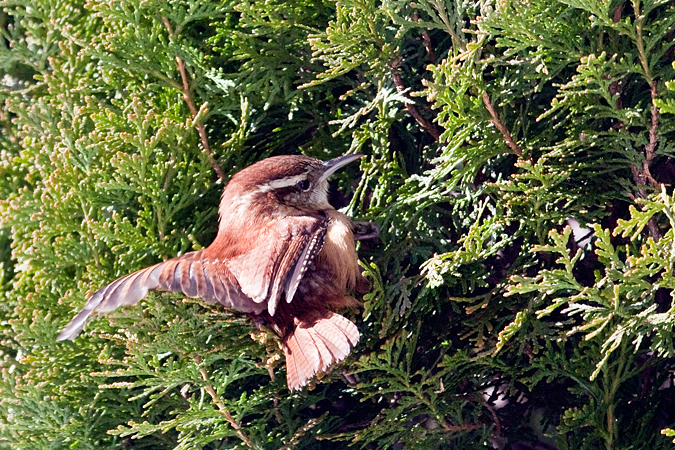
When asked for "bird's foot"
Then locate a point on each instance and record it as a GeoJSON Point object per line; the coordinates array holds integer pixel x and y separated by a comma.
{"type": "Point", "coordinates": [365, 230]}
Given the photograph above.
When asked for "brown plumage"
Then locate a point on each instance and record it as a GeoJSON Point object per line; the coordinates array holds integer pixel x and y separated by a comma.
{"type": "Point", "coordinates": [282, 254]}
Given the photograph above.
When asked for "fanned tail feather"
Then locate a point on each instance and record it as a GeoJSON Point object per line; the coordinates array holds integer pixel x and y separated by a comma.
{"type": "Point", "coordinates": [315, 345]}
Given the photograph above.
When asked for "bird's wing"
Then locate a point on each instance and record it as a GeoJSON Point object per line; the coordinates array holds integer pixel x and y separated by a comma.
{"type": "Point", "coordinates": [191, 274]}
{"type": "Point", "coordinates": [250, 282]}
{"type": "Point", "coordinates": [278, 263]}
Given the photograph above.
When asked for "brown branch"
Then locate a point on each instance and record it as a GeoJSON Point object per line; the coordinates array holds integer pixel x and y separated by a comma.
{"type": "Point", "coordinates": [495, 417]}
{"type": "Point", "coordinates": [515, 149]}
{"type": "Point", "coordinates": [642, 175]}
{"type": "Point", "coordinates": [459, 428]}
{"type": "Point", "coordinates": [187, 96]}
{"type": "Point", "coordinates": [650, 148]}
{"type": "Point", "coordinates": [426, 41]}
{"type": "Point", "coordinates": [618, 12]}
{"type": "Point", "coordinates": [412, 109]}
{"type": "Point", "coordinates": [221, 406]}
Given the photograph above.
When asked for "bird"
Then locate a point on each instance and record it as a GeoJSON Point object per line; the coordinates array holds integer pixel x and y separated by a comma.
{"type": "Point", "coordinates": [282, 254]}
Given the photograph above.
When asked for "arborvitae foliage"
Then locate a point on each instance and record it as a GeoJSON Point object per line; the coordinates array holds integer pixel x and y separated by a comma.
{"type": "Point", "coordinates": [520, 162]}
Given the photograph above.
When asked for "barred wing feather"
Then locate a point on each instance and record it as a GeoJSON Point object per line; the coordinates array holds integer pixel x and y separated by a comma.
{"type": "Point", "coordinates": [290, 246]}
{"type": "Point", "coordinates": [189, 273]}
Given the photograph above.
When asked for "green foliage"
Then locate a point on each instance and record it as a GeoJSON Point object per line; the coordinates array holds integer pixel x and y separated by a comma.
{"type": "Point", "coordinates": [523, 281]}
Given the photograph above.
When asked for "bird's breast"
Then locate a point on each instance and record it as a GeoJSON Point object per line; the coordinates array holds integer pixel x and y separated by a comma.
{"type": "Point", "coordinates": [338, 260]}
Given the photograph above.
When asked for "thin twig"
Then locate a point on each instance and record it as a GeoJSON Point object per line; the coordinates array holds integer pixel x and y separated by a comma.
{"type": "Point", "coordinates": [400, 86]}
{"type": "Point", "coordinates": [515, 149]}
{"type": "Point", "coordinates": [456, 40]}
{"type": "Point", "coordinates": [459, 428]}
{"type": "Point", "coordinates": [187, 96]}
{"type": "Point", "coordinates": [639, 42]}
{"type": "Point", "coordinates": [642, 176]}
{"type": "Point", "coordinates": [221, 406]}
{"type": "Point", "coordinates": [618, 12]}
{"type": "Point", "coordinates": [426, 41]}
{"type": "Point", "coordinates": [650, 148]}
{"type": "Point", "coordinates": [495, 417]}
{"type": "Point", "coordinates": [410, 106]}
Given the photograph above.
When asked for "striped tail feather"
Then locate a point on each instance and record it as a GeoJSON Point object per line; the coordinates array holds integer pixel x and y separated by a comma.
{"type": "Point", "coordinates": [189, 273]}
{"type": "Point", "coordinates": [315, 345]}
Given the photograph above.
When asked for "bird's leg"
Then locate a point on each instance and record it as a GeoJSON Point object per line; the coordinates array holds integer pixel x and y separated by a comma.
{"type": "Point", "coordinates": [365, 230]}
{"type": "Point", "coordinates": [259, 322]}
{"type": "Point", "coordinates": [264, 325]}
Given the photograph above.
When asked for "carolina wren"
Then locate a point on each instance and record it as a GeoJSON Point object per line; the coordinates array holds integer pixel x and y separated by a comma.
{"type": "Point", "coordinates": [283, 255]}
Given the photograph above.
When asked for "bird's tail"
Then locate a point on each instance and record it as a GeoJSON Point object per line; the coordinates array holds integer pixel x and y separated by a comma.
{"type": "Point", "coordinates": [316, 344]}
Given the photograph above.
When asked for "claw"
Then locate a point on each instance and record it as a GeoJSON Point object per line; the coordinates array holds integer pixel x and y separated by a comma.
{"type": "Point", "coordinates": [365, 230]}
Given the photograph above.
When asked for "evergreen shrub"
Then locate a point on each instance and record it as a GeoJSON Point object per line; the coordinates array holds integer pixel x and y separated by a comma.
{"type": "Point", "coordinates": [519, 162]}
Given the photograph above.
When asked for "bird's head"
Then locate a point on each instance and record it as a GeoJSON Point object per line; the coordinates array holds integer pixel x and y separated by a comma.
{"type": "Point", "coordinates": [281, 182]}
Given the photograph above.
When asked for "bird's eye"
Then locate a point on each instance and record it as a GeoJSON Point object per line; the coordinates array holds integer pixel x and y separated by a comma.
{"type": "Point", "coordinates": [303, 185]}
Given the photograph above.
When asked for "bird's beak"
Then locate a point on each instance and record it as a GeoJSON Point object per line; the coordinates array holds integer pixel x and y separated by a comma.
{"type": "Point", "coordinates": [332, 165]}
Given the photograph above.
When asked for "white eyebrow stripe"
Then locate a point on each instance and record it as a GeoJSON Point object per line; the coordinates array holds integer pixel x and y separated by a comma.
{"type": "Point", "coordinates": [283, 182]}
